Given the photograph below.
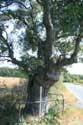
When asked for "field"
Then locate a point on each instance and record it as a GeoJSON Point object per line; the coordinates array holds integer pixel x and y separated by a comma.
{"type": "Point", "coordinates": [11, 82]}
{"type": "Point", "coordinates": [12, 86]}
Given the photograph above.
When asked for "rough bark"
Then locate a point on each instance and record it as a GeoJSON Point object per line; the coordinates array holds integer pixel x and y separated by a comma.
{"type": "Point", "coordinates": [33, 104]}
{"type": "Point", "coordinates": [47, 21]}
{"type": "Point", "coordinates": [39, 80]}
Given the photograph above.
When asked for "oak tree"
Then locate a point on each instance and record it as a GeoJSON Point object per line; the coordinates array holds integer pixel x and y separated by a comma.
{"type": "Point", "coordinates": [53, 30]}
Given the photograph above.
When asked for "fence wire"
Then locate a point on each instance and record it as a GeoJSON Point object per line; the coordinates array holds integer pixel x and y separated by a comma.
{"type": "Point", "coordinates": [11, 110]}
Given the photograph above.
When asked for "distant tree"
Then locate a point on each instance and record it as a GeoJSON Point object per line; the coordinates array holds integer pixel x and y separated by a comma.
{"type": "Point", "coordinates": [53, 29]}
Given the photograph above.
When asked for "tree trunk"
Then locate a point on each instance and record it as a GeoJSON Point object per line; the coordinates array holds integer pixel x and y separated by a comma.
{"type": "Point", "coordinates": [33, 100]}
{"type": "Point", "coordinates": [33, 105]}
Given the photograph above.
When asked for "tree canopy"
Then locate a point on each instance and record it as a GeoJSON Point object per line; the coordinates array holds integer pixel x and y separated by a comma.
{"type": "Point", "coordinates": [52, 29]}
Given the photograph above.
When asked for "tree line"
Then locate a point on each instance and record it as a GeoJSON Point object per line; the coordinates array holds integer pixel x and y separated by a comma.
{"type": "Point", "coordinates": [11, 72]}
{"type": "Point", "coordinates": [72, 78]}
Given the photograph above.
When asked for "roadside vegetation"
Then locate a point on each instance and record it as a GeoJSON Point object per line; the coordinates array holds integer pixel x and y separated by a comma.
{"type": "Point", "coordinates": [78, 79]}
{"type": "Point", "coordinates": [12, 72]}
{"type": "Point", "coordinates": [72, 115]}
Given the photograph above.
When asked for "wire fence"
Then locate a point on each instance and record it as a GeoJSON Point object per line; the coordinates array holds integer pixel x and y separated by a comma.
{"type": "Point", "coordinates": [11, 109]}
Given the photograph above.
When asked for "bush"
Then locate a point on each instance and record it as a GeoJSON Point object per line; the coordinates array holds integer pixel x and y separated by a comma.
{"type": "Point", "coordinates": [8, 113]}
{"type": "Point", "coordinates": [10, 72]}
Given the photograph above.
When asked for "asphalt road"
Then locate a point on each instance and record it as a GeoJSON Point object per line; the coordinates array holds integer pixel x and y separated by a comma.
{"type": "Point", "coordinates": [76, 90]}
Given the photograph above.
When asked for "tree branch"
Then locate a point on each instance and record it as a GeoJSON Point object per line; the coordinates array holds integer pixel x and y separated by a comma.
{"type": "Point", "coordinates": [10, 51]}
{"type": "Point", "coordinates": [3, 58]}
{"type": "Point", "coordinates": [71, 1]}
{"type": "Point", "coordinates": [39, 2]}
{"type": "Point", "coordinates": [47, 20]}
{"type": "Point", "coordinates": [10, 57]}
{"type": "Point", "coordinates": [20, 17]}
{"type": "Point", "coordinates": [73, 58]}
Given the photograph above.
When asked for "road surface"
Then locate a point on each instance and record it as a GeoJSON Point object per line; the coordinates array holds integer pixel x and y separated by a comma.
{"type": "Point", "coordinates": [77, 91]}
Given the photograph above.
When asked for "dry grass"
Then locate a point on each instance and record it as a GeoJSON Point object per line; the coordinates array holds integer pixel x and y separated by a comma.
{"type": "Point", "coordinates": [13, 87]}
{"type": "Point", "coordinates": [10, 82]}
{"type": "Point", "coordinates": [68, 96]}
{"type": "Point", "coordinates": [72, 115]}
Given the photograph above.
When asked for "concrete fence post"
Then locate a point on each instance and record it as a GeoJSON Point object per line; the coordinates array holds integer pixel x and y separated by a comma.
{"type": "Point", "coordinates": [40, 102]}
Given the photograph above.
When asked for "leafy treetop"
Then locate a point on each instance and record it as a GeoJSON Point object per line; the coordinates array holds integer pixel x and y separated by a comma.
{"type": "Point", "coordinates": [53, 29]}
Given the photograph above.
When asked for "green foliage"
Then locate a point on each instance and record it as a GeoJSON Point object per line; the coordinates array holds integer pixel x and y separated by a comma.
{"type": "Point", "coordinates": [66, 19]}
{"type": "Point", "coordinates": [32, 62]}
{"type": "Point", "coordinates": [72, 78]}
{"type": "Point", "coordinates": [10, 72]}
{"type": "Point", "coordinates": [9, 114]}
{"type": "Point", "coordinates": [51, 118]}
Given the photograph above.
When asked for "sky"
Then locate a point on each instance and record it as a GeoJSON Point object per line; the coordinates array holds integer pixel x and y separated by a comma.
{"type": "Point", "coordinates": [76, 69]}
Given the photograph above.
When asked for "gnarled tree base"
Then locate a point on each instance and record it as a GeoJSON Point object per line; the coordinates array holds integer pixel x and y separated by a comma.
{"type": "Point", "coordinates": [34, 106]}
